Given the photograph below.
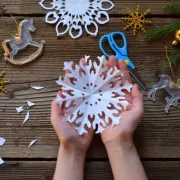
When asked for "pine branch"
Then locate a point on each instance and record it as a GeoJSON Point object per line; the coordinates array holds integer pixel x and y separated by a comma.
{"type": "Point", "coordinates": [173, 8]}
{"type": "Point", "coordinates": [162, 31]}
{"type": "Point", "coordinates": [174, 57]}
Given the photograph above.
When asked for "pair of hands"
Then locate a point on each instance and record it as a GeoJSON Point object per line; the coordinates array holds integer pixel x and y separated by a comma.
{"type": "Point", "coordinates": [122, 133]}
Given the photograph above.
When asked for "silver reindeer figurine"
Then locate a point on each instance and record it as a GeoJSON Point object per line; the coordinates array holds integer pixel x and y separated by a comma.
{"type": "Point", "coordinates": [21, 41]}
{"type": "Point", "coordinates": [167, 84]}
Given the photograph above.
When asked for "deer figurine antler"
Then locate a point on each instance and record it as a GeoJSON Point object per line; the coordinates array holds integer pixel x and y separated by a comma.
{"type": "Point", "coordinates": [167, 84]}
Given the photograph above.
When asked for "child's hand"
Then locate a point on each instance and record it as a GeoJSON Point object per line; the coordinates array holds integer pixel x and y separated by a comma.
{"type": "Point", "coordinates": [123, 133]}
{"type": "Point", "coordinates": [67, 134]}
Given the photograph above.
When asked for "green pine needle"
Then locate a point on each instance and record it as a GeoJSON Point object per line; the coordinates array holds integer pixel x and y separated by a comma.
{"type": "Point", "coordinates": [162, 31]}
{"type": "Point", "coordinates": [173, 8]}
{"type": "Point", "coordinates": [174, 57]}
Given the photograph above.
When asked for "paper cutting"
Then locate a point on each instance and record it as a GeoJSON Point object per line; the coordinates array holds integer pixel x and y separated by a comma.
{"type": "Point", "coordinates": [95, 94]}
{"type": "Point", "coordinates": [71, 15]}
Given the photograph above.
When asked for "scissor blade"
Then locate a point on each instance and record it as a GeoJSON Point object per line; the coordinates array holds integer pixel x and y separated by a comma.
{"type": "Point", "coordinates": [137, 78]}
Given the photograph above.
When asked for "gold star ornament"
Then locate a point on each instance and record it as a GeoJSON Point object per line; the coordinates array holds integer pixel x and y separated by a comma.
{"type": "Point", "coordinates": [136, 20]}
{"type": "Point", "coordinates": [2, 83]}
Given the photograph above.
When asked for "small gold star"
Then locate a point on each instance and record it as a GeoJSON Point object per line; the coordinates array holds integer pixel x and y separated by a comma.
{"type": "Point", "coordinates": [136, 20]}
{"type": "Point", "coordinates": [2, 83]}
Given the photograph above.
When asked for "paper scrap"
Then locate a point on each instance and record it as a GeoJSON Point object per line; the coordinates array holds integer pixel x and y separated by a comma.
{"type": "Point", "coordinates": [32, 142]}
{"type": "Point", "coordinates": [19, 109]}
{"type": "Point", "coordinates": [37, 87]}
{"type": "Point", "coordinates": [30, 104]}
{"type": "Point", "coordinates": [1, 161]}
{"type": "Point", "coordinates": [2, 141]}
{"type": "Point", "coordinates": [27, 117]}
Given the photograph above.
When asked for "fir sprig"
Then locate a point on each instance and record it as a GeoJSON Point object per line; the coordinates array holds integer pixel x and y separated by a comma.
{"type": "Point", "coordinates": [174, 57]}
{"type": "Point", "coordinates": [162, 31]}
{"type": "Point", "coordinates": [173, 8]}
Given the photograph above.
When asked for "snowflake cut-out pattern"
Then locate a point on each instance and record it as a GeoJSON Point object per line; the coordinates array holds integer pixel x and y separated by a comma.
{"type": "Point", "coordinates": [71, 15]}
{"type": "Point", "coordinates": [2, 83]}
{"type": "Point", "coordinates": [95, 94]}
{"type": "Point", "coordinates": [136, 20]}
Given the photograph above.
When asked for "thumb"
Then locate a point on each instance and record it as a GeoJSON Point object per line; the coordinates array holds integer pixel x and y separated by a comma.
{"type": "Point", "coordinates": [56, 110]}
{"type": "Point", "coordinates": [138, 100]}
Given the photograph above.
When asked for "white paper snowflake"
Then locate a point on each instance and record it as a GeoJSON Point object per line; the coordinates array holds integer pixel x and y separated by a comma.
{"type": "Point", "coordinates": [95, 92]}
{"type": "Point", "coordinates": [71, 15]}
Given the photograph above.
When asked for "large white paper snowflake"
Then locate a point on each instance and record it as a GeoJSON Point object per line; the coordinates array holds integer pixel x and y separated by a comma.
{"type": "Point", "coordinates": [71, 15]}
{"type": "Point", "coordinates": [96, 93]}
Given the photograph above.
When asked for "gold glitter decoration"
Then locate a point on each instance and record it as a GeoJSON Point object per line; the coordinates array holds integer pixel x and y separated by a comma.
{"type": "Point", "coordinates": [2, 83]}
{"type": "Point", "coordinates": [136, 20]}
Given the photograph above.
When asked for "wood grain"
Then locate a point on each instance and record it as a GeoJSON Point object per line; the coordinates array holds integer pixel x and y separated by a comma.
{"type": "Point", "coordinates": [28, 7]}
{"type": "Point", "coordinates": [158, 135]}
{"type": "Point", "coordinates": [44, 170]}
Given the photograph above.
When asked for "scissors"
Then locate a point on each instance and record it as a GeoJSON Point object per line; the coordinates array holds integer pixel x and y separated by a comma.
{"type": "Point", "coordinates": [121, 53]}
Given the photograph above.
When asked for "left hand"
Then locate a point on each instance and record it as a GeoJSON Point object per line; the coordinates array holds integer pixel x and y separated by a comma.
{"type": "Point", "coordinates": [67, 134]}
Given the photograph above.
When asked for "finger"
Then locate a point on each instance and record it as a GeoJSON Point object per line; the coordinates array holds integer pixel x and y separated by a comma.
{"type": "Point", "coordinates": [56, 110]}
{"type": "Point", "coordinates": [83, 61]}
{"type": "Point", "coordinates": [68, 71]}
{"type": "Point", "coordinates": [138, 100]}
{"type": "Point", "coordinates": [126, 77]}
{"type": "Point", "coordinates": [122, 65]}
{"type": "Point", "coordinates": [112, 61]}
{"type": "Point", "coordinates": [106, 64]}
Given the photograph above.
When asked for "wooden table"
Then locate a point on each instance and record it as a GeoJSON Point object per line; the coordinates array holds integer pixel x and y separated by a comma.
{"type": "Point", "coordinates": [158, 136]}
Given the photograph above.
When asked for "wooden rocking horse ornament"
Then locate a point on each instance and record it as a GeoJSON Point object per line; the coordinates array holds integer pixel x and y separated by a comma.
{"type": "Point", "coordinates": [21, 41]}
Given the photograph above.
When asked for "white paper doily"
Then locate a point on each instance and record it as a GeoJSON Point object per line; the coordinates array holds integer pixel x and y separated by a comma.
{"type": "Point", "coordinates": [96, 93]}
{"type": "Point", "coordinates": [71, 15]}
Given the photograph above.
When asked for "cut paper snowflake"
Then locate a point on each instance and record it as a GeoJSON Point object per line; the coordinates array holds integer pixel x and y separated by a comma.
{"type": "Point", "coordinates": [136, 20]}
{"type": "Point", "coordinates": [30, 104]}
{"type": "Point", "coordinates": [19, 109]}
{"type": "Point", "coordinates": [71, 15]}
{"type": "Point", "coordinates": [95, 94]}
{"type": "Point", "coordinates": [32, 142]}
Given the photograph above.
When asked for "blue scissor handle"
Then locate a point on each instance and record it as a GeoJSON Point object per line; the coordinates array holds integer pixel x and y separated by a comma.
{"type": "Point", "coordinates": [121, 52]}
{"type": "Point", "coordinates": [101, 44]}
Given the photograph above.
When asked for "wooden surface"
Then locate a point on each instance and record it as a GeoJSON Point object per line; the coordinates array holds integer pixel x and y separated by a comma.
{"type": "Point", "coordinates": [23, 170]}
{"type": "Point", "coordinates": [158, 136]}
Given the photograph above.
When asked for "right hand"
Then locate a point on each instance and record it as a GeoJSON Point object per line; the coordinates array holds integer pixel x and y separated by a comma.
{"type": "Point", "coordinates": [130, 119]}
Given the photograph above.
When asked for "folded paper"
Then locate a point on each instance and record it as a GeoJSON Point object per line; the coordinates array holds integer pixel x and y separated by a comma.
{"type": "Point", "coordinates": [93, 94]}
